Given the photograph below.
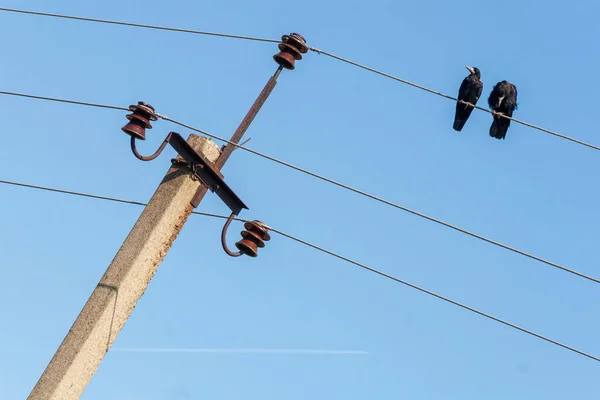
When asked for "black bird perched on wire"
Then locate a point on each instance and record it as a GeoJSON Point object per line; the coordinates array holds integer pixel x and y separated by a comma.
{"type": "Point", "coordinates": [470, 90]}
{"type": "Point", "coordinates": [503, 99]}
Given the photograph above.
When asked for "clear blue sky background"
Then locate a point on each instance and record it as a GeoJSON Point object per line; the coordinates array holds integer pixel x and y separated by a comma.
{"type": "Point", "coordinates": [532, 191]}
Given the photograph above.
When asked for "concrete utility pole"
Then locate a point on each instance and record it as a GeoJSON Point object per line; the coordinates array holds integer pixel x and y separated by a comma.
{"type": "Point", "coordinates": [129, 274]}
{"type": "Point", "coordinates": [123, 283]}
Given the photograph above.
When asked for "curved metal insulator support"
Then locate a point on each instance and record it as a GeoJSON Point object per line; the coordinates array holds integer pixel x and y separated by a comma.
{"type": "Point", "coordinates": [224, 238]}
{"type": "Point", "coordinates": [156, 153]}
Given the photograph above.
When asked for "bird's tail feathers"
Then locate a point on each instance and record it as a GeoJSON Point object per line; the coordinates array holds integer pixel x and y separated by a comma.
{"type": "Point", "coordinates": [499, 127]}
{"type": "Point", "coordinates": [459, 124]}
{"type": "Point", "coordinates": [494, 129]}
{"type": "Point", "coordinates": [463, 112]}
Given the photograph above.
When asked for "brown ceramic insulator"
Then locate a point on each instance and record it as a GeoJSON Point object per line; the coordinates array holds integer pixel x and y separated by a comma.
{"type": "Point", "coordinates": [296, 40]}
{"type": "Point", "coordinates": [292, 47]}
{"type": "Point", "coordinates": [253, 238]}
{"type": "Point", "coordinates": [139, 121]}
{"type": "Point", "coordinates": [258, 227]}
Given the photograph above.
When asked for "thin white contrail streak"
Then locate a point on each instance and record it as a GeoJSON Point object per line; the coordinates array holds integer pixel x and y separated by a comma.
{"type": "Point", "coordinates": [246, 351]}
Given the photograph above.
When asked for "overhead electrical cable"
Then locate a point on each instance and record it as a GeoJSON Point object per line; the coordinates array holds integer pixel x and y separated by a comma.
{"type": "Point", "coordinates": [333, 182]}
{"type": "Point", "coordinates": [314, 49]}
{"type": "Point", "coordinates": [560, 135]}
{"type": "Point", "coordinates": [162, 28]}
{"type": "Point", "coordinates": [336, 255]}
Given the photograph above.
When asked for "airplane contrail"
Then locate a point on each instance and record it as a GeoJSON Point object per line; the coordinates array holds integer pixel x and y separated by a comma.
{"type": "Point", "coordinates": [247, 351]}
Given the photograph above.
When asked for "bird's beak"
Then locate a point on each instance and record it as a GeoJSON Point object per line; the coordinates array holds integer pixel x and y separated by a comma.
{"type": "Point", "coordinates": [471, 70]}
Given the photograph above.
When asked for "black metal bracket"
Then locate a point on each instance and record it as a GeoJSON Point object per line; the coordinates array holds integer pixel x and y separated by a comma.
{"type": "Point", "coordinates": [201, 168]}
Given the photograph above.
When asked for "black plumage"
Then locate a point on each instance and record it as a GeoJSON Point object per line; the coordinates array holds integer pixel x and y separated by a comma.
{"type": "Point", "coordinates": [503, 99]}
{"type": "Point", "coordinates": [470, 90]}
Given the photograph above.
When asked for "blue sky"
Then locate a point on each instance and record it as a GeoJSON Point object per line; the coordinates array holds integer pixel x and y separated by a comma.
{"type": "Point", "coordinates": [532, 191]}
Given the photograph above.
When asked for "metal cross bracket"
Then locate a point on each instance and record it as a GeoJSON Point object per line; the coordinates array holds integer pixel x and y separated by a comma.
{"type": "Point", "coordinates": [204, 170]}
{"type": "Point", "coordinates": [201, 168]}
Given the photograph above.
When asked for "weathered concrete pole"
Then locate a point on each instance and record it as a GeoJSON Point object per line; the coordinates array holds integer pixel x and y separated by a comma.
{"type": "Point", "coordinates": [123, 283]}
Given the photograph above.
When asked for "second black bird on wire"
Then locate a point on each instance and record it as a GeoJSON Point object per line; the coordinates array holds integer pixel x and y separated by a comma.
{"type": "Point", "coordinates": [503, 99]}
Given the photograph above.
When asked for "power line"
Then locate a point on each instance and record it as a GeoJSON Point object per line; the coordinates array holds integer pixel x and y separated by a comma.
{"type": "Point", "coordinates": [81, 103]}
{"type": "Point", "coordinates": [107, 198]}
{"type": "Point", "coordinates": [389, 203]}
{"type": "Point", "coordinates": [336, 255]}
{"type": "Point", "coordinates": [438, 296]}
{"type": "Point", "coordinates": [344, 186]}
{"type": "Point", "coordinates": [93, 196]}
{"type": "Point", "coordinates": [314, 49]}
{"type": "Point", "coordinates": [345, 60]}
{"type": "Point", "coordinates": [163, 28]}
